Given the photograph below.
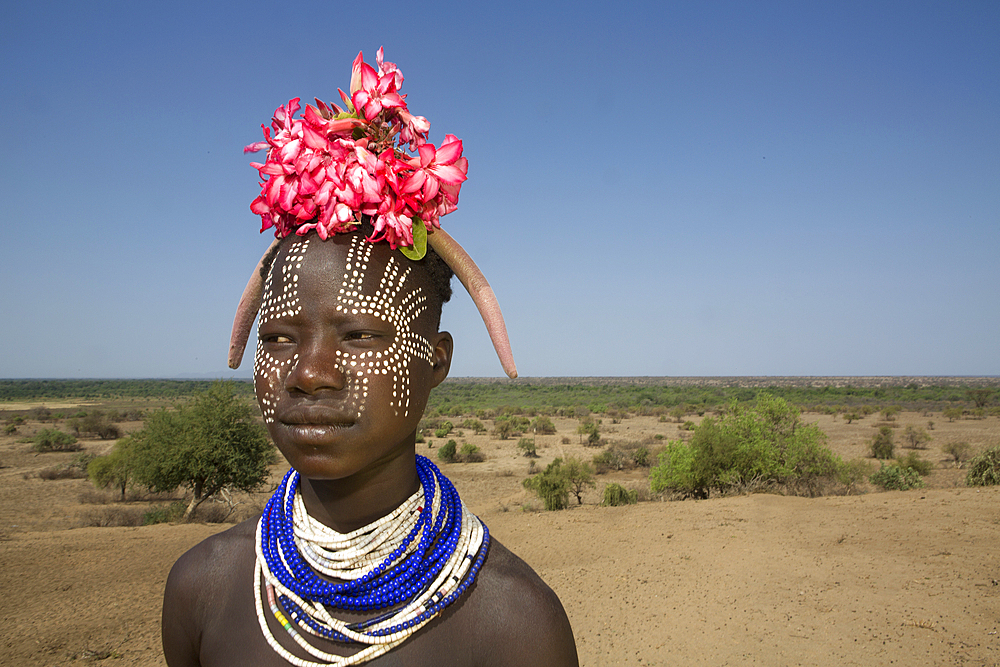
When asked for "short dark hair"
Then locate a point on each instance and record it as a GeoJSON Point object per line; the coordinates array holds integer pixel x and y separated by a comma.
{"type": "Point", "coordinates": [437, 270]}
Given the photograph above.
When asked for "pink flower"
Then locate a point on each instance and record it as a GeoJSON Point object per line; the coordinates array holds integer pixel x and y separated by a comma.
{"type": "Point", "coordinates": [329, 167]}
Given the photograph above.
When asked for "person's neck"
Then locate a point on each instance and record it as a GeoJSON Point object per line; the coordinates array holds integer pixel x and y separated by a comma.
{"type": "Point", "coordinates": [351, 503]}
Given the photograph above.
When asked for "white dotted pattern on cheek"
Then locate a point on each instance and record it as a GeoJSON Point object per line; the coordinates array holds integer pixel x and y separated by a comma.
{"type": "Point", "coordinates": [275, 305]}
{"type": "Point", "coordinates": [393, 304]}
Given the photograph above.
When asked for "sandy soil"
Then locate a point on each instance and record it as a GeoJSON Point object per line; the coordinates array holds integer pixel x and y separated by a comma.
{"type": "Point", "coordinates": [908, 578]}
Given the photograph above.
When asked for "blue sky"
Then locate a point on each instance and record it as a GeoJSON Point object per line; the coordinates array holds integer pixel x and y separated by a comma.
{"type": "Point", "coordinates": [658, 188]}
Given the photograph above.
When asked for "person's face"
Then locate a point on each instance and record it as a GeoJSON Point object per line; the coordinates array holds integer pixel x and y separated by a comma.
{"type": "Point", "coordinates": [348, 352]}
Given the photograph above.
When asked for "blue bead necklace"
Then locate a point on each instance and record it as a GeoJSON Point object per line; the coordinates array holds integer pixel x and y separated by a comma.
{"type": "Point", "coordinates": [407, 566]}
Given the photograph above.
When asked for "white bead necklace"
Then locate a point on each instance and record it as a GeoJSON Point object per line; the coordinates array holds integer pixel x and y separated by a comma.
{"type": "Point", "coordinates": [349, 557]}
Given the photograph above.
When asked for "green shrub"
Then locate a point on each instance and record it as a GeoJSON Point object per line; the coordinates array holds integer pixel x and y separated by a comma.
{"type": "Point", "coordinates": [854, 472]}
{"type": "Point", "coordinates": [10, 429]}
{"type": "Point", "coordinates": [675, 472]}
{"type": "Point", "coordinates": [503, 428]}
{"type": "Point", "coordinates": [164, 514]}
{"type": "Point", "coordinates": [958, 451]}
{"type": "Point", "coordinates": [640, 457]}
{"type": "Point", "coordinates": [896, 478]}
{"type": "Point", "coordinates": [443, 430]}
{"type": "Point", "coordinates": [447, 451]}
{"type": "Point", "coordinates": [527, 446]}
{"type": "Point", "coordinates": [951, 414]}
{"type": "Point", "coordinates": [913, 461]}
{"type": "Point", "coordinates": [474, 425]}
{"type": "Point", "coordinates": [914, 437]}
{"type": "Point", "coordinates": [747, 448]}
{"type": "Point", "coordinates": [882, 445]}
{"type": "Point", "coordinates": [611, 459]}
{"type": "Point", "coordinates": [616, 494]}
{"type": "Point", "coordinates": [984, 470]}
{"type": "Point", "coordinates": [543, 425]}
{"type": "Point", "coordinates": [552, 486]}
{"type": "Point", "coordinates": [471, 454]}
{"type": "Point", "coordinates": [54, 440]}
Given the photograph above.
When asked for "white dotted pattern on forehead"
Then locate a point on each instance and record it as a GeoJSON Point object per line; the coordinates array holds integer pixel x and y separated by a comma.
{"type": "Point", "coordinates": [393, 304]}
{"type": "Point", "coordinates": [386, 304]}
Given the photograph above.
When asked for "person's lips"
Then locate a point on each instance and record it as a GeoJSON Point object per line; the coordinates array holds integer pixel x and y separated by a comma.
{"type": "Point", "coordinates": [315, 424]}
{"type": "Point", "coordinates": [315, 415]}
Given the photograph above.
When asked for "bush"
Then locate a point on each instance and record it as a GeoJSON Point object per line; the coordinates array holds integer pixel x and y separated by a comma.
{"type": "Point", "coordinates": [443, 430]}
{"type": "Point", "coordinates": [640, 457]}
{"type": "Point", "coordinates": [896, 478]}
{"type": "Point", "coordinates": [914, 437]}
{"type": "Point", "coordinates": [54, 440]}
{"type": "Point", "coordinates": [914, 462]}
{"type": "Point", "coordinates": [108, 517]}
{"type": "Point", "coordinates": [984, 470]}
{"type": "Point", "coordinates": [882, 446]}
{"type": "Point", "coordinates": [95, 423]}
{"type": "Point", "coordinates": [675, 472]}
{"type": "Point", "coordinates": [611, 459]}
{"type": "Point", "coordinates": [616, 495]}
{"type": "Point", "coordinates": [951, 414]}
{"type": "Point", "coordinates": [527, 445]}
{"type": "Point", "coordinates": [552, 486]}
{"type": "Point", "coordinates": [748, 448]}
{"type": "Point", "coordinates": [958, 451]}
{"type": "Point", "coordinates": [163, 514]}
{"type": "Point", "coordinates": [471, 454]}
{"type": "Point", "coordinates": [542, 424]}
{"type": "Point", "coordinates": [854, 472]}
{"type": "Point", "coordinates": [474, 425]}
{"type": "Point", "coordinates": [447, 451]}
{"type": "Point", "coordinates": [503, 428]}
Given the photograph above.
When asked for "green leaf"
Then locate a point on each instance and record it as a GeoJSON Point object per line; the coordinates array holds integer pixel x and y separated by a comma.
{"type": "Point", "coordinates": [419, 247]}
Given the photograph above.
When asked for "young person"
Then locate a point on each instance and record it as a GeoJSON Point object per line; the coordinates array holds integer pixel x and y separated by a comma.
{"type": "Point", "coordinates": [365, 553]}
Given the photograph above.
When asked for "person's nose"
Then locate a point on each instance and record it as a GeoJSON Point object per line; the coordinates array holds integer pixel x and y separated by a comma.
{"type": "Point", "coordinates": [316, 367]}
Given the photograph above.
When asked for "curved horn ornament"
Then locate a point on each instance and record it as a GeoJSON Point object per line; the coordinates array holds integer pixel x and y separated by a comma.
{"type": "Point", "coordinates": [247, 311]}
{"type": "Point", "coordinates": [482, 294]}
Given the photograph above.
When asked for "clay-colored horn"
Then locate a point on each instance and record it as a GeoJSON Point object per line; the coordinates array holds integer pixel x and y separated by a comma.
{"type": "Point", "coordinates": [447, 248]}
{"type": "Point", "coordinates": [479, 289]}
{"type": "Point", "coordinates": [246, 312]}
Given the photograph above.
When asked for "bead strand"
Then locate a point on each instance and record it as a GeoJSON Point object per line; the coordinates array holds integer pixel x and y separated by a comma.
{"type": "Point", "coordinates": [423, 556]}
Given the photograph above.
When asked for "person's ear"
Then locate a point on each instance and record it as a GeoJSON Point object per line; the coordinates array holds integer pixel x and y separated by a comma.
{"type": "Point", "coordinates": [441, 364]}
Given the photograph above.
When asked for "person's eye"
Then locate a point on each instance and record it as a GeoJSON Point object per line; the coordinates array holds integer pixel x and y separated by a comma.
{"type": "Point", "coordinates": [277, 339]}
{"type": "Point", "coordinates": [363, 335]}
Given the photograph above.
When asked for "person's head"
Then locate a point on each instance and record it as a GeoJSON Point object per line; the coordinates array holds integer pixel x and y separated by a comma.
{"type": "Point", "coordinates": [348, 350]}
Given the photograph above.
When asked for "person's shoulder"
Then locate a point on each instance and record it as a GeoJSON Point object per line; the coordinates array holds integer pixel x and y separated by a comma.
{"type": "Point", "coordinates": [526, 623]}
{"type": "Point", "coordinates": [211, 560]}
{"type": "Point", "coordinates": [204, 576]}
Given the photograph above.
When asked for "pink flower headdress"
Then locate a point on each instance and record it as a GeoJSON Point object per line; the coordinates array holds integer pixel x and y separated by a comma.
{"type": "Point", "coordinates": [333, 165]}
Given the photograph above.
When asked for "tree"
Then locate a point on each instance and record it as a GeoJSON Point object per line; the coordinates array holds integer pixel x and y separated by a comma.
{"type": "Point", "coordinates": [580, 475]}
{"type": "Point", "coordinates": [113, 469]}
{"type": "Point", "coordinates": [951, 414]}
{"type": "Point", "coordinates": [210, 444]}
{"type": "Point", "coordinates": [916, 437]}
{"type": "Point", "coordinates": [981, 397]}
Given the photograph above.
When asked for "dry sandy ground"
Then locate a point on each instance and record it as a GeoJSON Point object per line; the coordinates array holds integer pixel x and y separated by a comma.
{"type": "Point", "coordinates": [906, 578]}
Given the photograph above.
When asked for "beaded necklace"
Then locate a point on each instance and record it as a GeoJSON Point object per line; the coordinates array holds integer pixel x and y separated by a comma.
{"type": "Point", "coordinates": [407, 566]}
